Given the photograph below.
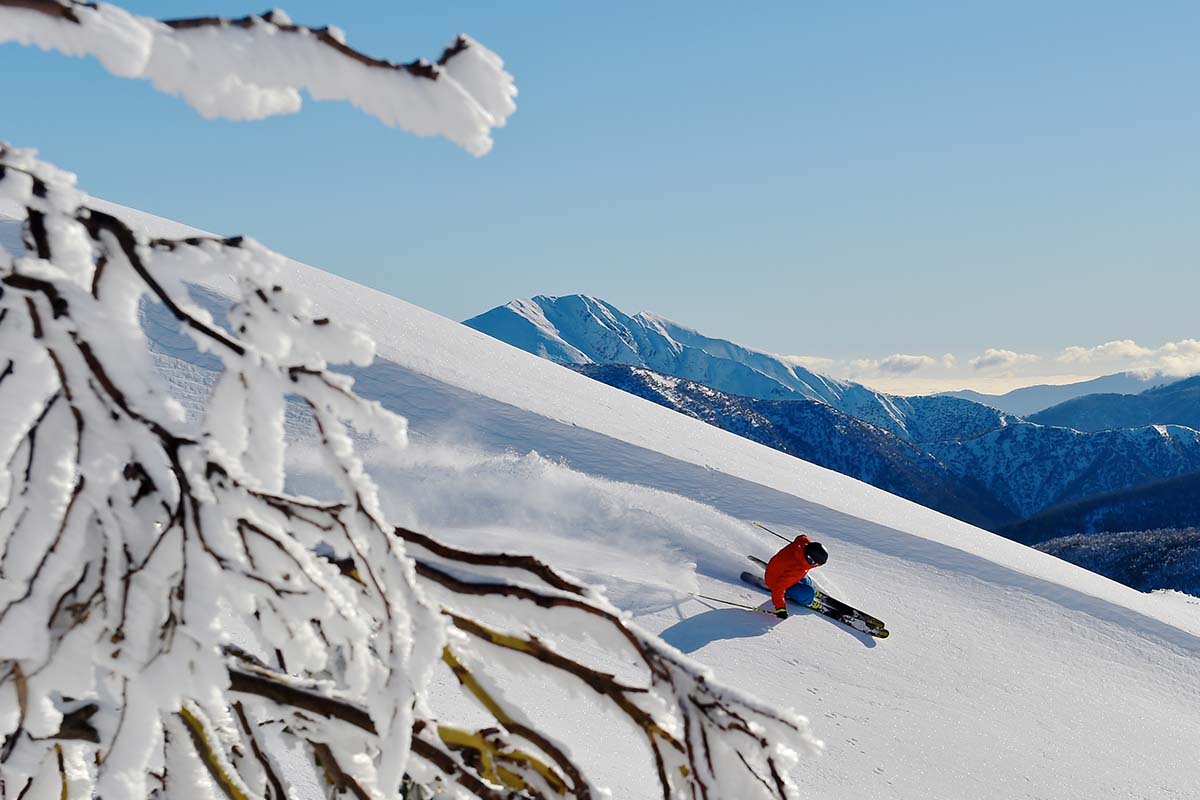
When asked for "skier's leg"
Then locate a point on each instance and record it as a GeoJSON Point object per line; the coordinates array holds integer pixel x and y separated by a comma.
{"type": "Point", "coordinates": [802, 592]}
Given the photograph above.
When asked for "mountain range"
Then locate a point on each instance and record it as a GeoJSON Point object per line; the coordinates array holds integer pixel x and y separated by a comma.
{"type": "Point", "coordinates": [578, 329]}
{"type": "Point", "coordinates": [820, 434]}
{"type": "Point", "coordinates": [1175, 403]}
{"type": "Point", "coordinates": [1146, 560]}
{"type": "Point", "coordinates": [964, 458]}
{"type": "Point", "coordinates": [1170, 503]}
{"type": "Point", "coordinates": [1029, 400]}
{"type": "Point", "coordinates": [994, 479]}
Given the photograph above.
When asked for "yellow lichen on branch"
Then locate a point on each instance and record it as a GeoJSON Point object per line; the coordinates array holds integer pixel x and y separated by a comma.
{"type": "Point", "coordinates": [209, 756]}
{"type": "Point", "coordinates": [492, 753]}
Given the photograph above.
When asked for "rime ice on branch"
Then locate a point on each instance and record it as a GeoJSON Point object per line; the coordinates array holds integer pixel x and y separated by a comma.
{"type": "Point", "coordinates": [255, 66]}
{"type": "Point", "coordinates": [129, 540]}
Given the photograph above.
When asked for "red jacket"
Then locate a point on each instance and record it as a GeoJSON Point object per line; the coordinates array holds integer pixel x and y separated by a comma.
{"type": "Point", "coordinates": [787, 567]}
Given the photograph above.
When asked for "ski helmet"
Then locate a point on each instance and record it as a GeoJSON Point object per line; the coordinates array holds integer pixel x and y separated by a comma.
{"type": "Point", "coordinates": [815, 554]}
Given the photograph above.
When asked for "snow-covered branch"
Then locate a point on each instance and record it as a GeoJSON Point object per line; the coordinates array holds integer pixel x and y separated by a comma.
{"type": "Point", "coordinates": [255, 66]}
{"type": "Point", "coordinates": [170, 617]}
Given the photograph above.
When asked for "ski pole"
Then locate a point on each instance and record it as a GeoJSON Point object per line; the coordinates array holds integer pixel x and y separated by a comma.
{"type": "Point", "coordinates": [731, 603]}
{"type": "Point", "coordinates": [768, 530]}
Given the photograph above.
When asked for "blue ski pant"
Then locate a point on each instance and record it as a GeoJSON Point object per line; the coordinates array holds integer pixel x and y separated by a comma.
{"type": "Point", "coordinates": [802, 592]}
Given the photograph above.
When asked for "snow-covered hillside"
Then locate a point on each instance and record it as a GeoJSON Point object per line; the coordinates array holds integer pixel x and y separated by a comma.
{"type": "Point", "coordinates": [1032, 467]}
{"type": "Point", "coordinates": [1167, 558]}
{"type": "Point", "coordinates": [1009, 674]}
{"type": "Point", "coordinates": [578, 329]}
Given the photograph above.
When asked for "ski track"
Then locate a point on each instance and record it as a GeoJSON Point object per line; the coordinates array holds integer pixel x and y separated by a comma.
{"type": "Point", "coordinates": [1008, 674]}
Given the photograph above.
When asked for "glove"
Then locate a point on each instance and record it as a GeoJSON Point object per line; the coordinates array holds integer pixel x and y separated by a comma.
{"type": "Point", "coordinates": [781, 613]}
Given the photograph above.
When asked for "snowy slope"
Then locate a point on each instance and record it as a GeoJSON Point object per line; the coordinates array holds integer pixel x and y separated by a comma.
{"type": "Point", "coordinates": [1009, 674]}
{"type": "Point", "coordinates": [578, 329]}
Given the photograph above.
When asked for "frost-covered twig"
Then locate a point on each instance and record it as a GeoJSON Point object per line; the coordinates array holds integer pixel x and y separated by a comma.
{"type": "Point", "coordinates": [255, 66]}
{"type": "Point", "coordinates": [126, 535]}
{"type": "Point", "coordinates": [132, 544]}
{"type": "Point", "coordinates": [708, 742]}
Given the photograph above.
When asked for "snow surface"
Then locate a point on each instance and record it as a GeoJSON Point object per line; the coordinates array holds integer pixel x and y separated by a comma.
{"type": "Point", "coordinates": [1009, 673]}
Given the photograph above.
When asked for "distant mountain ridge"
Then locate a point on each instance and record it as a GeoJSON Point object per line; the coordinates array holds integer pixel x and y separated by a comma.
{"type": "Point", "coordinates": [994, 479]}
{"type": "Point", "coordinates": [1029, 400]}
{"type": "Point", "coordinates": [818, 433]}
{"type": "Point", "coordinates": [578, 329]}
{"type": "Point", "coordinates": [1030, 467]}
{"type": "Point", "coordinates": [1175, 403]}
{"type": "Point", "coordinates": [1174, 502]}
{"type": "Point", "coordinates": [1146, 560]}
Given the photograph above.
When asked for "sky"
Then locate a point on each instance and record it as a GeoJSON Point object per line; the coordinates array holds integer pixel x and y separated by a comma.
{"type": "Point", "coordinates": [920, 196]}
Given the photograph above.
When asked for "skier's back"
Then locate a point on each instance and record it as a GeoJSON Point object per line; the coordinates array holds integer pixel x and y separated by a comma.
{"type": "Point", "coordinates": [790, 567]}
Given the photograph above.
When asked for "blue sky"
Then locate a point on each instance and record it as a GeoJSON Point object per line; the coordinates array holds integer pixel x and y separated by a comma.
{"type": "Point", "coordinates": [833, 180]}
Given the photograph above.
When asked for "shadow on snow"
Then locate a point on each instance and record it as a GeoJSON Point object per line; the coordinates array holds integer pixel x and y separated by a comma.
{"type": "Point", "coordinates": [695, 632]}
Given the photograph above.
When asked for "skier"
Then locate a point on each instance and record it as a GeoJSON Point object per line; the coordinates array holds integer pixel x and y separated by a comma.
{"type": "Point", "coordinates": [789, 568]}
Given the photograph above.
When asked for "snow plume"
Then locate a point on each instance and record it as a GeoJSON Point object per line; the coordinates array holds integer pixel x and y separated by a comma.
{"type": "Point", "coordinates": [585, 525]}
{"type": "Point", "coordinates": [255, 67]}
{"type": "Point", "coordinates": [174, 621]}
{"type": "Point", "coordinates": [994, 358]}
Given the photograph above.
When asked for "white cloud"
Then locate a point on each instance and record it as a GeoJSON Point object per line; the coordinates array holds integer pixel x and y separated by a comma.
{"type": "Point", "coordinates": [994, 357]}
{"type": "Point", "coordinates": [1119, 349]}
{"type": "Point", "coordinates": [902, 364]}
{"type": "Point", "coordinates": [1177, 359]}
{"type": "Point", "coordinates": [895, 364]}
{"type": "Point", "coordinates": [949, 361]}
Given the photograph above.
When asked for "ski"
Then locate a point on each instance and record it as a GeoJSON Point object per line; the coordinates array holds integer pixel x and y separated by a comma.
{"type": "Point", "coordinates": [832, 606]}
{"type": "Point", "coordinates": [829, 606]}
{"type": "Point", "coordinates": [827, 599]}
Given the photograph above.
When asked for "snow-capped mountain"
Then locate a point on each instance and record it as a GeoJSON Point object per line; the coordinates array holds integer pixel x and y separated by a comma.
{"type": "Point", "coordinates": [997, 651]}
{"type": "Point", "coordinates": [820, 434]}
{"type": "Point", "coordinates": [1029, 400]}
{"type": "Point", "coordinates": [578, 329]}
{"type": "Point", "coordinates": [1010, 468]}
{"type": "Point", "coordinates": [993, 479]}
{"type": "Point", "coordinates": [1175, 403]}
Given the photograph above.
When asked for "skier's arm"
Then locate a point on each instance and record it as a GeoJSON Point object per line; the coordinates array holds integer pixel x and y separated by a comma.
{"type": "Point", "coordinates": [777, 597]}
